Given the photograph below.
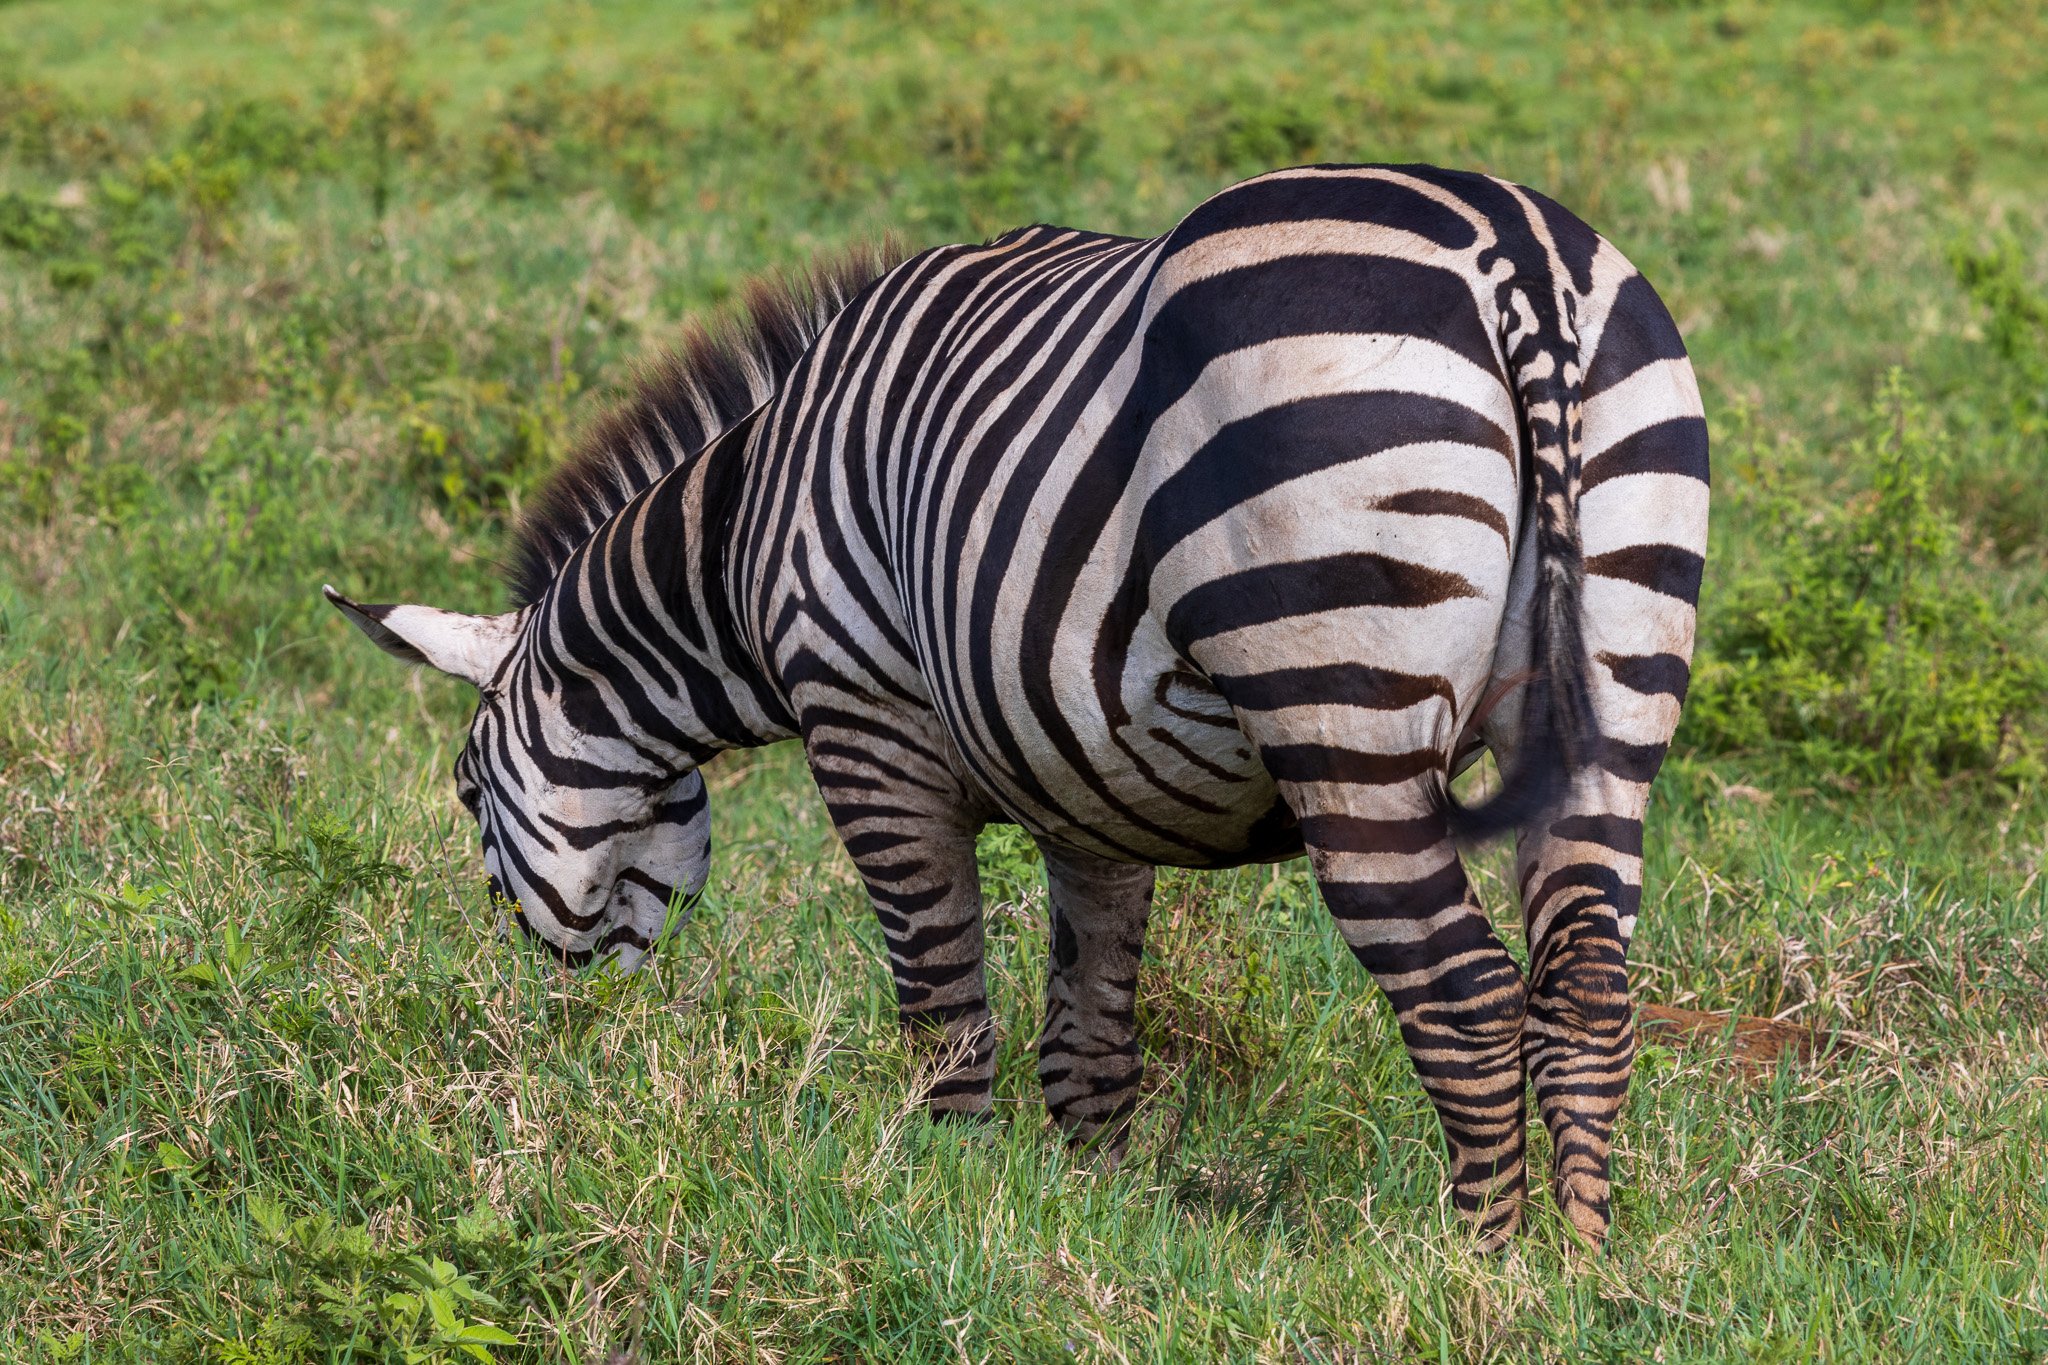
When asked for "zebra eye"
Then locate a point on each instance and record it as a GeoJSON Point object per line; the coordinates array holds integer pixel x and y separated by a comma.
{"type": "Point", "coordinates": [468, 794]}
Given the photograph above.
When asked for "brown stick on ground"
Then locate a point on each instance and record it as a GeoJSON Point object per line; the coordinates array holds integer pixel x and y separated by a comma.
{"type": "Point", "coordinates": [1755, 1044]}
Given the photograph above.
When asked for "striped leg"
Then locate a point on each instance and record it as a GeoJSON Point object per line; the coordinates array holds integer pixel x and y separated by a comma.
{"type": "Point", "coordinates": [1643, 520]}
{"type": "Point", "coordinates": [1391, 876]}
{"type": "Point", "coordinates": [1581, 878]}
{"type": "Point", "coordinates": [1088, 1056]}
{"type": "Point", "coordinates": [909, 827]}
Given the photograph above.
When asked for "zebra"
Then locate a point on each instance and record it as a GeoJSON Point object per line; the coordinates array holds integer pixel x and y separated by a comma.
{"type": "Point", "coordinates": [1212, 548]}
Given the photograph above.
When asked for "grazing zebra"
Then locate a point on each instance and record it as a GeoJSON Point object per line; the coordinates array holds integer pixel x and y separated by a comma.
{"type": "Point", "coordinates": [1214, 548]}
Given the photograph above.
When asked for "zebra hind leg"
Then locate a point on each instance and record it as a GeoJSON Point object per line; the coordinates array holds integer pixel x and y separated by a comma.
{"type": "Point", "coordinates": [1581, 878]}
{"type": "Point", "coordinates": [1089, 1061]}
{"type": "Point", "coordinates": [1390, 874]}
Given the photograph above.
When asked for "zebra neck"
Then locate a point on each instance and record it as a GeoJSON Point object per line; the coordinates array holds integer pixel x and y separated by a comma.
{"type": "Point", "coordinates": [690, 535]}
{"type": "Point", "coordinates": [638, 622]}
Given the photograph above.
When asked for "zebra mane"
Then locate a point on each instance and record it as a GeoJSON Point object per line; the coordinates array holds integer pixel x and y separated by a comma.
{"type": "Point", "coordinates": [719, 371]}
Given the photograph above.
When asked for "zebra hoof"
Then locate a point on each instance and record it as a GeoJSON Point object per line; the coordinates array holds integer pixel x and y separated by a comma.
{"type": "Point", "coordinates": [1587, 1220]}
{"type": "Point", "coordinates": [971, 1119]}
{"type": "Point", "coordinates": [1494, 1227]}
{"type": "Point", "coordinates": [1099, 1147]}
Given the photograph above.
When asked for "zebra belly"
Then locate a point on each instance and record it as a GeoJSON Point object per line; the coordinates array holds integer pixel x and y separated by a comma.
{"type": "Point", "coordinates": [1168, 778]}
{"type": "Point", "coordinates": [1204, 780]}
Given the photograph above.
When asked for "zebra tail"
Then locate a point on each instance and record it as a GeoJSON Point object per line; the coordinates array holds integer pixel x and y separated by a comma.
{"type": "Point", "coordinates": [1560, 731]}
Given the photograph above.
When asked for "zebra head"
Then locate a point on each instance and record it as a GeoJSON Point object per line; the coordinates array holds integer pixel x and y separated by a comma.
{"type": "Point", "coordinates": [589, 837]}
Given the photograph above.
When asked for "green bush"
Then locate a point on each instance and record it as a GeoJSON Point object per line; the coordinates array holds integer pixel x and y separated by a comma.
{"type": "Point", "coordinates": [476, 447]}
{"type": "Point", "coordinates": [1866, 639]}
{"type": "Point", "coordinates": [1252, 128]}
{"type": "Point", "coordinates": [1009, 146]}
{"type": "Point", "coordinates": [1997, 280]}
{"type": "Point", "coordinates": [559, 135]}
{"type": "Point", "coordinates": [34, 228]}
{"type": "Point", "coordinates": [347, 1295]}
{"type": "Point", "coordinates": [1998, 478]}
{"type": "Point", "coordinates": [323, 866]}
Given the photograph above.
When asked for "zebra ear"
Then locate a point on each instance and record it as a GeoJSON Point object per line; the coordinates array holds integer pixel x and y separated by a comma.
{"type": "Point", "coordinates": [468, 647]}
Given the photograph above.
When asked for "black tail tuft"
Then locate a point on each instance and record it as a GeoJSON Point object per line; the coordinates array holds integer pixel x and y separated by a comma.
{"type": "Point", "coordinates": [1534, 786]}
{"type": "Point", "coordinates": [1559, 734]}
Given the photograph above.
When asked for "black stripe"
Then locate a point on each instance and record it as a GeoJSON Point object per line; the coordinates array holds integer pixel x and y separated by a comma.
{"type": "Point", "coordinates": [1639, 332]}
{"type": "Point", "coordinates": [1650, 675]}
{"type": "Point", "coordinates": [1281, 592]}
{"type": "Point", "coordinates": [1631, 762]}
{"type": "Point", "coordinates": [1667, 569]}
{"type": "Point", "coordinates": [1257, 454]}
{"type": "Point", "coordinates": [1576, 243]}
{"type": "Point", "coordinates": [1623, 835]}
{"type": "Point", "coordinates": [1298, 296]}
{"type": "Point", "coordinates": [1443, 502]}
{"type": "Point", "coordinates": [1362, 685]}
{"type": "Point", "coordinates": [1327, 763]}
{"type": "Point", "coordinates": [1676, 445]}
{"type": "Point", "coordinates": [1352, 198]}
{"type": "Point", "coordinates": [1336, 832]}
{"type": "Point", "coordinates": [1604, 883]}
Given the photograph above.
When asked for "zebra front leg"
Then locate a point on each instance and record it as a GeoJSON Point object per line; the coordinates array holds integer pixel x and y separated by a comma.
{"type": "Point", "coordinates": [909, 826]}
{"type": "Point", "coordinates": [927, 895]}
{"type": "Point", "coordinates": [1390, 874]}
{"type": "Point", "coordinates": [1089, 1061]}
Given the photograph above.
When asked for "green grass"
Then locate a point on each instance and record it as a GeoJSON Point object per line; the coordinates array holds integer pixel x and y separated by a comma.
{"type": "Point", "coordinates": [306, 292]}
